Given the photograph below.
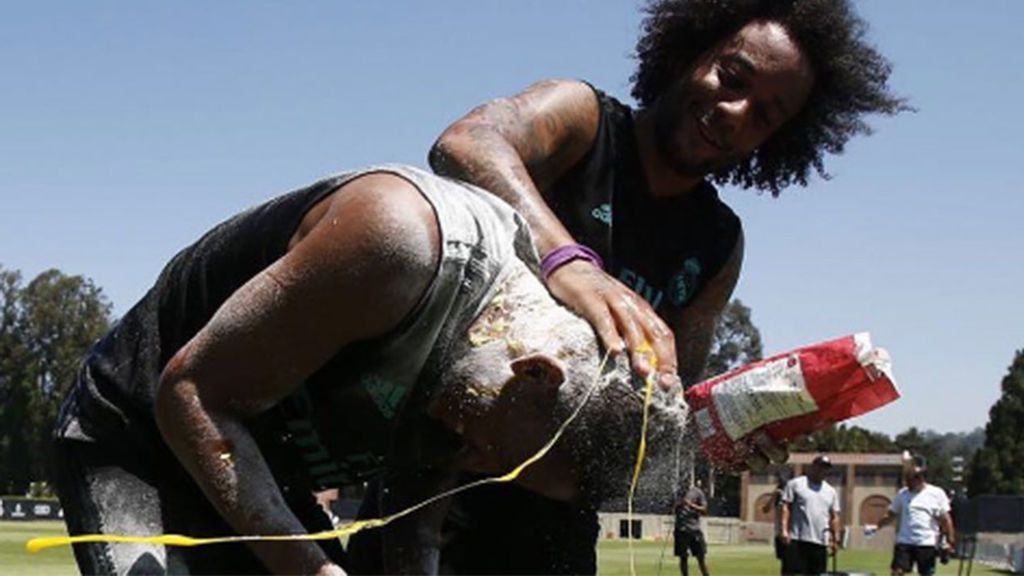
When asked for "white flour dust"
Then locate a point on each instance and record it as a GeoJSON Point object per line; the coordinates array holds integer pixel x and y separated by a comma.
{"type": "Point", "coordinates": [523, 319]}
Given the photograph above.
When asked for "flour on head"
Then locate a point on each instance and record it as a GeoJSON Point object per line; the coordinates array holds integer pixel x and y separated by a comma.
{"type": "Point", "coordinates": [524, 321]}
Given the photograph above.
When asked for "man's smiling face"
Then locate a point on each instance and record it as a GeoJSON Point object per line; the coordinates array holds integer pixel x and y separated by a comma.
{"type": "Point", "coordinates": [732, 99]}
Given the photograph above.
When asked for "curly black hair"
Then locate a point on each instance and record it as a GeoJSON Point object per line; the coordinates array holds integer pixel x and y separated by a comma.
{"type": "Point", "coordinates": [850, 77]}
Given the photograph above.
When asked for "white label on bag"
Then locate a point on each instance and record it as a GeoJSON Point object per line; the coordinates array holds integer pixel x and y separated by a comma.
{"type": "Point", "coordinates": [768, 393]}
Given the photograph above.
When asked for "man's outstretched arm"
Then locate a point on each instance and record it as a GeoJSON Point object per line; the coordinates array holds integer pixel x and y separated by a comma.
{"type": "Point", "coordinates": [515, 148]}
{"type": "Point", "coordinates": [889, 518]}
{"type": "Point", "coordinates": [354, 274]}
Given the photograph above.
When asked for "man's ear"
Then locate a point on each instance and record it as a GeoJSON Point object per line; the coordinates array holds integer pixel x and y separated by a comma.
{"type": "Point", "coordinates": [542, 369]}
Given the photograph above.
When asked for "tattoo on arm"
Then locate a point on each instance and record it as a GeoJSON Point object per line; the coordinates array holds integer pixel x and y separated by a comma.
{"type": "Point", "coordinates": [516, 147]}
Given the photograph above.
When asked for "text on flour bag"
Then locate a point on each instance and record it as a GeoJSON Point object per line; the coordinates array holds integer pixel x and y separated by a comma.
{"type": "Point", "coordinates": [790, 395]}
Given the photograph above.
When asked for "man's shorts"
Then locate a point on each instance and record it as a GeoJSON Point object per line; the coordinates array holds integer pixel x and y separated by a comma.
{"type": "Point", "coordinates": [690, 542]}
{"type": "Point", "coordinates": [780, 548]}
{"type": "Point", "coordinates": [805, 558]}
{"type": "Point", "coordinates": [905, 556]}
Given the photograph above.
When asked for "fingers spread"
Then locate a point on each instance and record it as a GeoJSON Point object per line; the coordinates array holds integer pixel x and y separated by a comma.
{"type": "Point", "coordinates": [622, 319]}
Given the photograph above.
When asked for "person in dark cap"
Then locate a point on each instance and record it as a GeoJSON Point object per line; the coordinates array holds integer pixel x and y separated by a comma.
{"type": "Point", "coordinates": [810, 508]}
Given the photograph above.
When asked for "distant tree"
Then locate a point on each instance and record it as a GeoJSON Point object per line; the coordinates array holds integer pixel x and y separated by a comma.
{"type": "Point", "coordinates": [933, 448]}
{"type": "Point", "coordinates": [45, 328]}
{"type": "Point", "coordinates": [939, 450]}
{"type": "Point", "coordinates": [843, 438]}
{"type": "Point", "coordinates": [737, 341]}
{"type": "Point", "coordinates": [996, 467]}
{"type": "Point", "coordinates": [926, 447]}
{"type": "Point", "coordinates": [15, 388]}
{"type": "Point", "coordinates": [957, 443]}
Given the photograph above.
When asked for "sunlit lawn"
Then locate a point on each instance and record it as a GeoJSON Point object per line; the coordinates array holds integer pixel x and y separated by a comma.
{"type": "Point", "coordinates": [655, 558]}
{"type": "Point", "coordinates": [652, 558]}
{"type": "Point", "coordinates": [14, 560]}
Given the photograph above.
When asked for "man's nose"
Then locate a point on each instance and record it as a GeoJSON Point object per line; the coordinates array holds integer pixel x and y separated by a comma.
{"type": "Point", "coordinates": [732, 114]}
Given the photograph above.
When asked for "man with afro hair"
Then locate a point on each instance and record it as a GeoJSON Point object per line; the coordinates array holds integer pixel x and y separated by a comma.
{"type": "Point", "coordinates": [623, 205]}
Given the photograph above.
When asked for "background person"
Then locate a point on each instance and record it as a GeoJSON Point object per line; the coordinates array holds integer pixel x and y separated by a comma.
{"type": "Point", "coordinates": [810, 510]}
{"type": "Point", "coordinates": [688, 536]}
{"type": "Point", "coordinates": [623, 203]}
{"type": "Point", "coordinates": [774, 506]}
{"type": "Point", "coordinates": [924, 524]}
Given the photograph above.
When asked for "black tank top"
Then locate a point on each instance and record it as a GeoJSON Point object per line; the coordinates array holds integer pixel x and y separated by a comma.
{"type": "Point", "coordinates": [340, 427]}
{"type": "Point", "coordinates": [665, 249]}
{"type": "Point", "coordinates": [123, 367]}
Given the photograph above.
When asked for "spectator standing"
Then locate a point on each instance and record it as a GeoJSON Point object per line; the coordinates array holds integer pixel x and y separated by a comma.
{"type": "Point", "coordinates": [774, 505]}
{"type": "Point", "coordinates": [923, 513]}
{"type": "Point", "coordinates": [689, 538]}
{"type": "Point", "coordinates": [810, 508]}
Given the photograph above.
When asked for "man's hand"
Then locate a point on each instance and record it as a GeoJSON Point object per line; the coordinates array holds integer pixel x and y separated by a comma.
{"type": "Point", "coordinates": [785, 537]}
{"type": "Point", "coordinates": [622, 319]}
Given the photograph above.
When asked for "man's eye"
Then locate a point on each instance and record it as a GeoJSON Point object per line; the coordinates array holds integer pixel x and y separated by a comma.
{"type": "Point", "coordinates": [730, 79]}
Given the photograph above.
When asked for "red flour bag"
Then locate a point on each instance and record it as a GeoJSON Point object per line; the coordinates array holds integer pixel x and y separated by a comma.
{"type": "Point", "coordinates": [789, 395]}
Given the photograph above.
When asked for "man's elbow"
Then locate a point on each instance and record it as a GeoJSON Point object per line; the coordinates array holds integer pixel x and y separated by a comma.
{"type": "Point", "coordinates": [180, 403]}
{"type": "Point", "coordinates": [449, 153]}
{"type": "Point", "coordinates": [440, 156]}
{"type": "Point", "coordinates": [170, 402]}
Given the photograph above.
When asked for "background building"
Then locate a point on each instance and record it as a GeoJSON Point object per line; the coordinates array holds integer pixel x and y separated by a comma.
{"type": "Point", "coordinates": [866, 483]}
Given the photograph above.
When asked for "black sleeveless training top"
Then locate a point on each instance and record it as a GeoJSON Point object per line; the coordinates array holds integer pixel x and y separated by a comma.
{"type": "Point", "coordinates": [665, 249]}
{"type": "Point", "coordinates": [355, 418]}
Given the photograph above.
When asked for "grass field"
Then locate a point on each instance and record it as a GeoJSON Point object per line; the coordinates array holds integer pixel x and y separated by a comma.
{"type": "Point", "coordinates": [14, 560]}
{"type": "Point", "coordinates": [652, 559]}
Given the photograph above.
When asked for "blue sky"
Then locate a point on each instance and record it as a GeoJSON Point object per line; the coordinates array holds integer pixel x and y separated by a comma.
{"type": "Point", "coordinates": [128, 128]}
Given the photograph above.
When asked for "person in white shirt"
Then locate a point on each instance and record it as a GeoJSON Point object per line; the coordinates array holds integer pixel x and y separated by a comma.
{"type": "Point", "coordinates": [810, 508]}
{"type": "Point", "coordinates": [922, 511]}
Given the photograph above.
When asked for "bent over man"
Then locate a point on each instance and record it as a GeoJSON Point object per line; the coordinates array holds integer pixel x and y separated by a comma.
{"type": "Point", "coordinates": [341, 333]}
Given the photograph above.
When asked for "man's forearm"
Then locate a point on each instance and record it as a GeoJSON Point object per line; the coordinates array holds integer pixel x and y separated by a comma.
{"type": "Point", "coordinates": [221, 455]}
{"type": "Point", "coordinates": [412, 545]}
{"type": "Point", "coordinates": [478, 154]}
{"type": "Point", "coordinates": [694, 345]}
{"type": "Point", "coordinates": [515, 147]}
{"type": "Point", "coordinates": [949, 530]}
{"type": "Point", "coordinates": [886, 520]}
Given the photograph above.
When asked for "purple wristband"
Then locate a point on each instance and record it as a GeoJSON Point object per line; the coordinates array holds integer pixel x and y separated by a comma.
{"type": "Point", "coordinates": [564, 254]}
